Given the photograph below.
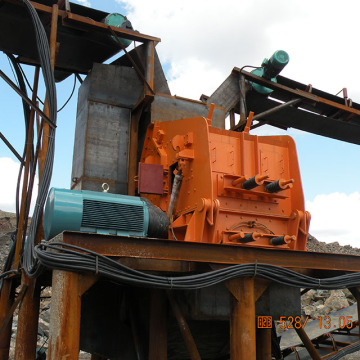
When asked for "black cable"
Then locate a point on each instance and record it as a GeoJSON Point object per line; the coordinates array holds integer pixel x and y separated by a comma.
{"type": "Point", "coordinates": [28, 84]}
{"type": "Point", "coordinates": [31, 265]}
{"type": "Point", "coordinates": [13, 72]}
{"type": "Point", "coordinates": [346, 351]}
{"type": "Point", "coordinates": [7, 273]}
{"type": "Point", "coordinates": [72, 93]}
{"type": "Point", "coordinates": [15, 67]}
{"type": "Point", "coordinates": [26, 109]}
{"type": "Point", "coordinates": [250, 66]}
{"type": "Point", "coordinates": [73, 258]}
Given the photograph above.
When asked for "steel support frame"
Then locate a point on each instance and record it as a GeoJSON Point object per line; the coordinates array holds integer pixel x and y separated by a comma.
{"type": "Point", "coordinates": [298, 94]}
{"type": "Point", "coordinates": [245, 340]}
{"type": "Point", "coordinates": [308, 344]}
{"type": "Point", "coordinates": [158, 327]}
{"type": "Point", "coordinates": [65, 316]}
{"type": "Point", "coordinates": [242, 320]}
{"type": "Point", "coordinates": [263, 344]}
{"type": "Point", "coordinates": [138, 109]}
{"type": "Point", "coordinates": [71, 19]}
{"type": "Point", "coordinates": [157, 249]}
{"type": "Point", "coordinates": [6, 302]}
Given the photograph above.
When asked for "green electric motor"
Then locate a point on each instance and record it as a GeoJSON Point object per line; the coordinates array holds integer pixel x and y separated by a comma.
{"type": "Point", "coordinates": [103, 213]}
{"type": "Point", "coordinates": [270, 69]}
{"type": "Point", "coordinates": [119, 21]}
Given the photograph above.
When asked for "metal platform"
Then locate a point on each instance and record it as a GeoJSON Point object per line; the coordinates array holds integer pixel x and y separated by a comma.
{"type": "Point", "coordinates": [175, 257]}
{"type": "Point", "coordinates": [84, 38]}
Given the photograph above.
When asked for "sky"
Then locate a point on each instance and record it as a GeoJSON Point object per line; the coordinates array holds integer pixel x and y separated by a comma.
{"type": "Point", "coordinates": [201, 43]}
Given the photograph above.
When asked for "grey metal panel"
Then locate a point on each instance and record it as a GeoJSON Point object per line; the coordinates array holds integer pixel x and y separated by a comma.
{"type": "Point", "coordinates": [227, 94]}
{"type": "Point", "coordinates": [102, 129]}
{"type": "Point", "coordinates": [139, 57]}
{"type": "Point", "coordinates": [160, 82]}
{"type": "Point", "coordinates": [79, 142]}
{"type": "Point", "coordinates": [115, 85]}
{"type": "Point", "coordinates": [107, 143]}
{"type": "Point", "coordinates": [213, 303]}
{"type": "Point", "coordinates": [279, 300]}
{"type": "Point", "coordinates": [169, 108]}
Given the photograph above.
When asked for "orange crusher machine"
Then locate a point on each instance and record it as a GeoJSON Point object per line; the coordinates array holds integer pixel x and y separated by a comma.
{"type": "Point", "coordinates": [224, 187]}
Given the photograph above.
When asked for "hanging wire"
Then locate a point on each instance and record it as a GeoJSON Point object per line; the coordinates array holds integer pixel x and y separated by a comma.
{"type": "Point", "coordinates": [69, 98]}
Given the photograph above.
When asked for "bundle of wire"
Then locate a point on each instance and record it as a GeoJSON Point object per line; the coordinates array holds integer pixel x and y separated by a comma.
{"type": "Point", "coordinates": [73, 258]}
{"type": "Point", "coordinates": [346, 351]}
{"type": "Point", "coordinates": [21, 84]}
{"type": "Point", "coordinates": [31, 265]}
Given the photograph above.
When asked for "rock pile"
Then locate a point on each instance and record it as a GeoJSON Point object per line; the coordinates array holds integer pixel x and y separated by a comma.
{"type": "Point", "coordinates": [317, 303]}
{"type": "Point", "coordinates": [7, 227]}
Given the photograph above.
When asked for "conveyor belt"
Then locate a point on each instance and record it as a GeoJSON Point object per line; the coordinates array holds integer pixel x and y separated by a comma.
{"type": "Point", "coordinates": [317, 331]}
{"type": "Point", "coordinates": [313, 330]}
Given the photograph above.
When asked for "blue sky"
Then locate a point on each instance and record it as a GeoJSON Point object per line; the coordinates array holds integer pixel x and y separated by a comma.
{"type": "Point", "coordinates": [200, 46]}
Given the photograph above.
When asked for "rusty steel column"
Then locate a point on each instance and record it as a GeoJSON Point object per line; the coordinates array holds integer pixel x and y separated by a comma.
{"type": "Point", "coordinates": [263, 344]}
{"type": "Point", "coordinates": [136, 114]}
{"type": "Point", "coordinates": [242, 320]}
{"type": "Point", "coordinates": [26, 335]}
{"type": "Point", "coordinates": [149, 70]}
{"type": "Point", "coordinates": [26, 339]}
{"type": "Point", "coordinates": [6, 300]}
{"type": "Point", "coordinates": [356, 294]}
{"type": "Point", "coordinates": [65, 316]}
{"type": "Point", "coordinates": [23, 211]}
{"type": "Point", "coordinates": [133, 145]}
{"type": "Point", "coordinates": [158, 328]}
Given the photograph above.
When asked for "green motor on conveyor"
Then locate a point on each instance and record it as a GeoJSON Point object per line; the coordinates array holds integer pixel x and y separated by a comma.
{"type": "Point", "coordinates": [120, 21]}
{"type": "Point", "coordinates": [270, 68]}
{"type": "Point", "coordinates": [103, 213]}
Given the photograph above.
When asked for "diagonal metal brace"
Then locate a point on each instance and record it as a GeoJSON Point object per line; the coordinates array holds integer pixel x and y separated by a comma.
{"type": "Point", "coordinates": [6, 141]}
{"type": "Point", "coordinates": [13, 308]}
{"type": "Point", "coordinates": [131, 59]}
{"type": "Point", "coordinates": [26, 99]}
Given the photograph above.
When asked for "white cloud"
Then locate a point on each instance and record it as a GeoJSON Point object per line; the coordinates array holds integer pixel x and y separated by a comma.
{"type": "Point", "coordinates": [334, 217]}
{"type": "Point", "coordinates": [10, 169]}
{"type": "Point", "coordinates": [179, 77]}
{"type": "Point", "coordinates": [238, 33]}
{"type": "Point", "coordinates": [84, 2]}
